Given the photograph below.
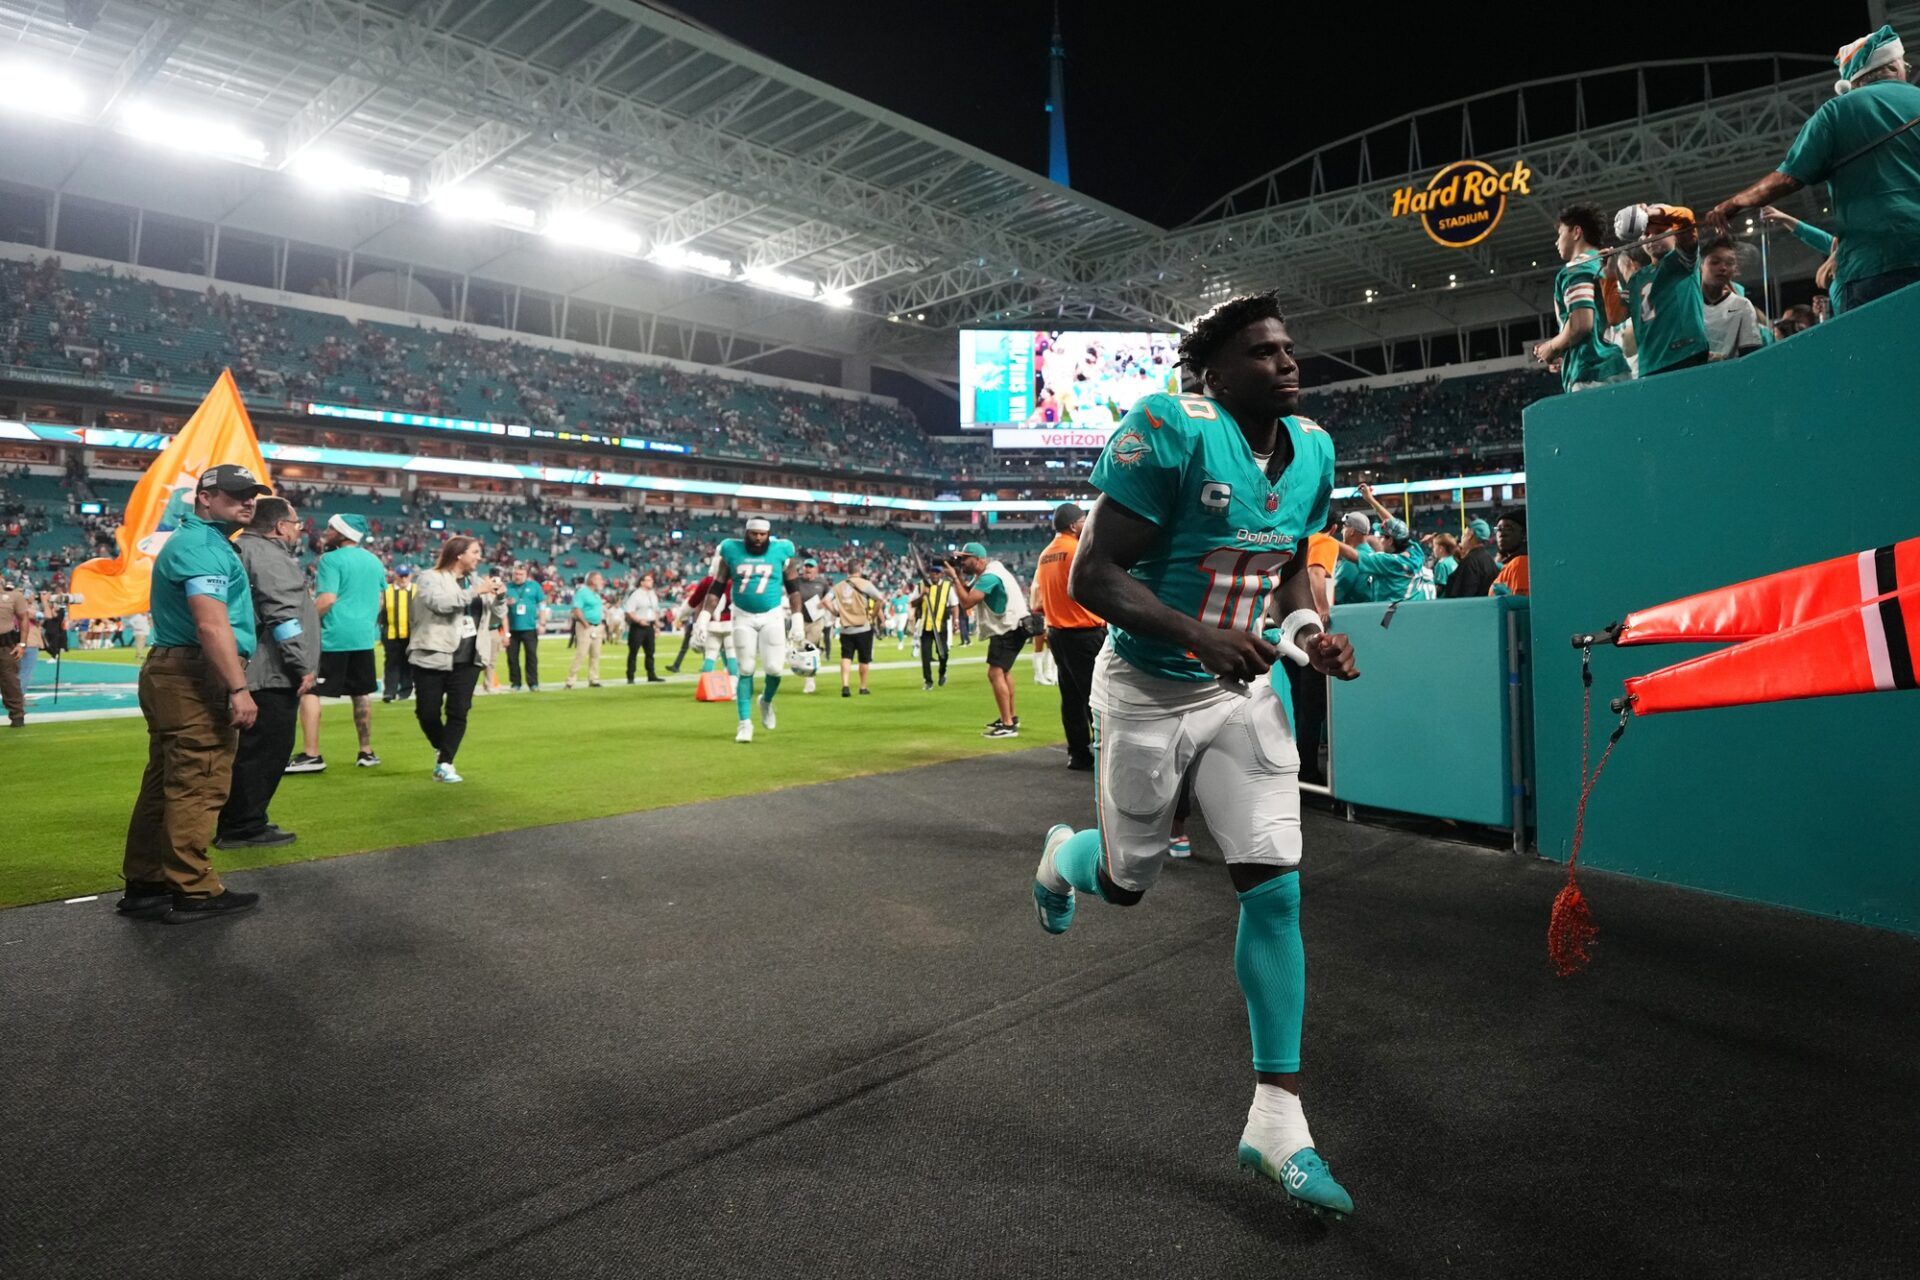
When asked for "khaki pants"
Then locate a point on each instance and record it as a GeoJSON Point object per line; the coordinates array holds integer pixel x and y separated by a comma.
{"type": "Point", "coordinates": [190, 748]}
{"type": "Point", "coordinates": [586, 651]}
{"type": "Point", "coordinates": [10, 692]}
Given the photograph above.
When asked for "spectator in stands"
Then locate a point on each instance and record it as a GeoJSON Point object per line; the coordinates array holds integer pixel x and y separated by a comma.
{"type": "Point", "coordinates": [1443, 554]}
{"type": "Point", "coordinates": [1075, 633]}
{"type": "Point", "coordinates": [1350, 585]}
{"type": "Point", "coordinates": [1475, 573]}
{"type": "Point", "coordinates": [348, 581]}
{"type": "Point", "coordinates": [1669, 316]}
{"type": "Point", "coordinates": [16, 613]}
{"type": "Point", "coordinates": [1821, 242]}
{"type": "Point", "coordinates": [1864, 146]}
{"type": "Point", "coordinates": [193, 692]}
{"type": "Point", "coordinates": [285, 658]}
{"type": "Point", "coordinates": [445, 647]}
{"type": "Point", "coordinates": [396, 628]}
{"type": "Point", "coordinates": [1393, 572]}
{"type": "Point", "coordinates": [642, 608]}
{"type": "Point", "coordinates": [1511, 530]}
{"type": "Point", "coordinates": [1821, 305]}
{"type": "Point", "coordinates": [524, 599]}
{"type": "Point", "coordinates": [1580, 351]}
{"type": "Point", "coordinates": [1794, 320]}
{"type": "Point", "coordinates": [589, 629]}
{"type": "Point", "coordinates": [1733, 325]}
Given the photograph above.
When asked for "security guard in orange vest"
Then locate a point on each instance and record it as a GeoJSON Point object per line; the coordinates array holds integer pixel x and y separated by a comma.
{"type": "Point", "coordinates": [396, 625]}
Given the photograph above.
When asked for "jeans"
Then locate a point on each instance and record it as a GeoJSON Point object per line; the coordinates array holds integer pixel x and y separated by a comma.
{"type": "Point", "coordinates": [260, 763]}
{"type": "Point", "coordinates": [456, 687]}
{"type": "Point", "coordinates": [527, 642]}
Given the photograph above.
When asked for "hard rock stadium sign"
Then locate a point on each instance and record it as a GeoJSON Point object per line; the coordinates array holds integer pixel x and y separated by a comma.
{"type": "Point", "coordinates": [1462, 204]}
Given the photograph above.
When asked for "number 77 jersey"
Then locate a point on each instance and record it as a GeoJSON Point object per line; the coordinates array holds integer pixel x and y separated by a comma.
{"type": "Point", "coordinates": [758, 578]}
{"type": "Point", "coordinates": [1226, 531]}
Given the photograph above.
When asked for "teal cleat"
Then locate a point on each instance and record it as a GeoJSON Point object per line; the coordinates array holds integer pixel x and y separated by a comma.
{"type": "Point", "coordinates": [1305, 1178]}
{"type": "Point", "coordinates": [1056, 909]}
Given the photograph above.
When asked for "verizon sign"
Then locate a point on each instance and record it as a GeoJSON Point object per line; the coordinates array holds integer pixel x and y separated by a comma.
{"type": "Point", "coordinates": [1049, 438]}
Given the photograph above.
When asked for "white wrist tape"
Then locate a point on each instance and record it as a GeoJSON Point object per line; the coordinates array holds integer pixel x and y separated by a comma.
{"type": "Point", "coordinates": [1290, 627]}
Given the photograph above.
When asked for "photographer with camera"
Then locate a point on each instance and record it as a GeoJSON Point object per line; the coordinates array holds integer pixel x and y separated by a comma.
{"type": "Point", "coordinates": [1000, 609]}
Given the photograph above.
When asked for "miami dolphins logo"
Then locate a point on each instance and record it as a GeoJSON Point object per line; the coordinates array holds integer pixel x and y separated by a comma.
{"type": "Point", "coordinates": [179, 505]}
{"type": "Point", "coordinates": [1128, 447]}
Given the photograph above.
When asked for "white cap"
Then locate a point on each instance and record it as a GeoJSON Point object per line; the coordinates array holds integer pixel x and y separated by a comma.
{"type": "Point", "coordinates": [759, 525]}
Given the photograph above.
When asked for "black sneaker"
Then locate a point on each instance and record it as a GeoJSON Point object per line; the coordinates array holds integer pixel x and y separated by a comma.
{"type": "Point", "coordinates": [997, 725]}
{"type": "Point", "coordinates": [926, 686]}
{"type": "Point", "coordinates": [190, 910]}
{"type": "Point", "coordinates": [304, 763]}
{"type": "Point", "coordinates": [656, 679]}
{"type": "Point", "coordinates": [266, 838]}
{"type": "Point", "coordinates": [1002, 731]}
{"type": "Point", "coordinates": [865, 692]}
{"type": "Point", "coordinates": [1080, 766]}
{"type": "Point", "coordinates": [144, 898]}
{"type": "Point", "coordinates": [366, 760]}
{"type": "Point", "coordinates": [845, 692]}
{"type": "Point", "coordinates": [943, 679]}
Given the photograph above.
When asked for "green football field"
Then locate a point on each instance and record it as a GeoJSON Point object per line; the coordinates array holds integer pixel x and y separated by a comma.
{"type": "Point", "coordinates": [529, 760]}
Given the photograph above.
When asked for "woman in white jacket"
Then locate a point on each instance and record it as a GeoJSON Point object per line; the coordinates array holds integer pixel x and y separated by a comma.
{"type": "Point", "coordinates": [450, 610]}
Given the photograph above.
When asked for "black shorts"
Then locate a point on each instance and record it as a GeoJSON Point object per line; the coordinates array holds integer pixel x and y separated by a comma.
{"type": "Point", "coordinates": [1002, 650]}
{"type": "Point", "coordinates": [345, 673]}
{"type": "Point", "coordinates": [858, 646]}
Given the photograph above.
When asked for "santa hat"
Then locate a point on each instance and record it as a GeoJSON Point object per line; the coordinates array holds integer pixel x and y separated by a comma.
{"type": "Point", "coordinates": [1866, 54]}
{"type": "Point", "coordinates": [352, 528]}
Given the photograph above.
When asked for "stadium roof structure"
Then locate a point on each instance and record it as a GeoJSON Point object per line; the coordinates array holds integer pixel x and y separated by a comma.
{"type": "Point", "coordinates": [620, 158]}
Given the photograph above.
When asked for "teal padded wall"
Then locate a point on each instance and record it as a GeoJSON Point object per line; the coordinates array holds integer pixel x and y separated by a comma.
{"type": "Point", "coordinates": [1644, 493]}
{"type": "Point", "coordinates": [1424, 728]}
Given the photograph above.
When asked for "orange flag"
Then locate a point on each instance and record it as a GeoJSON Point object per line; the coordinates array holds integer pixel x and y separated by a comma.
{"type": "Point", "coordinates": [218, 432]}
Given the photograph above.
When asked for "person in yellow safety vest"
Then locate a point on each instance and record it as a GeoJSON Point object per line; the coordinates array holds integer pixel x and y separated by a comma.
{"type": "Point", "coordinates": [396, 626]}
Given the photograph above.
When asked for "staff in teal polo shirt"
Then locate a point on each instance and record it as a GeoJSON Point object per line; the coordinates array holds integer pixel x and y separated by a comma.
{"type": "Point", "coordinates": [193, 692]}
{"type": "Point", "coordinates": [589, 617]}
{"type": "Point", "coordinates": [1865, 145]}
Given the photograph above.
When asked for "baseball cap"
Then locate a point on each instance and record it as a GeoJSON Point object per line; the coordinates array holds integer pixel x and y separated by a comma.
{"type": "Point", "coordinates": [974, 549]}
{"type": "Point", "coordinates": [231, 477]}
{"type": "Point", "coordinates": [1395, 528]}
{"type": "Point", "coordinates": [811, 563]}
{"type": "Point", "coordinates": [404, 570]}
{"type": "Point", "coordinates": [1480, 529]}
{"type": "Point", "coordinates": [1358, 520]}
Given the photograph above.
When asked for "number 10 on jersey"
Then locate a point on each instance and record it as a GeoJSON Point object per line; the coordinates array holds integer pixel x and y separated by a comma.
{"type": "Point", "coordinates": [1238, 583]}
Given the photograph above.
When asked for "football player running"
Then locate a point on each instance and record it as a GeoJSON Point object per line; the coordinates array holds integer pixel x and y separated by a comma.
{"type": "Point", "coordinates": [759, 569]}
{"type": "Point", "coordinates": [1197, 540]}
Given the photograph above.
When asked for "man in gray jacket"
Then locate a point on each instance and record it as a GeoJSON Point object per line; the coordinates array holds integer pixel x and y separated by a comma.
{"type": "Point", "coordinates": [281, 669]}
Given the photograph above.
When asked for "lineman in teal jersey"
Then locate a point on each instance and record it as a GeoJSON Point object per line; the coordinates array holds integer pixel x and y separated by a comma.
{"type": "Point", "coordinates": [1585, 356]}
{"type": "Point", "coordinates": [765, 583]}
{"type": "Point", "coordinates": [1206, 505]}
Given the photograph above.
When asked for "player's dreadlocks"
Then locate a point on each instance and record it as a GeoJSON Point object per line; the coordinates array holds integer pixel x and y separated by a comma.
{"type": "Point", "coordinates": [1213, 330]}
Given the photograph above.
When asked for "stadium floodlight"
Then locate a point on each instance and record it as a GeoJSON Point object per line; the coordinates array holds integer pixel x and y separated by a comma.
{"type": "Point", "coordinates": [329, 171]}
{"type": "Point", "coordinates": [839, 299]}
{"type": "Point", "coordinates": [587, 232]}
{"type": "Point", "coordinates": [181, 131]}
{"type": "Point", "coordinates": [41, 91]}
{"type": "Point", "coordinates": [478, 204]}
{"type": "Point", "coordinates": [781, 282]}
{"type": "Point", "coordinates": [677, 257]}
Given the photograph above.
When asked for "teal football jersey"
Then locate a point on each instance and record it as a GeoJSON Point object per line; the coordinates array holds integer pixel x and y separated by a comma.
{"type": "Point", "coordinates": [1225, 529]}
{"type": "Point", "coordinates": [1593, 359]}
{"type": "Point", "coordinates": [759, 581]}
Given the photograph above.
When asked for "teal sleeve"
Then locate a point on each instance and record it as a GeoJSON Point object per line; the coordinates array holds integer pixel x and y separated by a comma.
{"type": "Point", "coordinates": [1372, 561]}
{"type": "Point", "coordinates": [200, 560]}
{"type": "Point", "coordinates": [989, 585]}
{"type": "Point", "coordinates": [1585, 273]}
{"type": "Point", "coordinates": [1821, 242]}
{"type": "Point", "coordinates": [1145, 459]}
{"type": "Point", "coordinates": [1811, 155]}
{"type": "Point", "coordinates": [327, 580]}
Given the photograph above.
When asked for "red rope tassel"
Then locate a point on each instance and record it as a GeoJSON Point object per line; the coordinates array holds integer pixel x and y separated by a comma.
{"type": "Point", "coordinates": [1570, 928]}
